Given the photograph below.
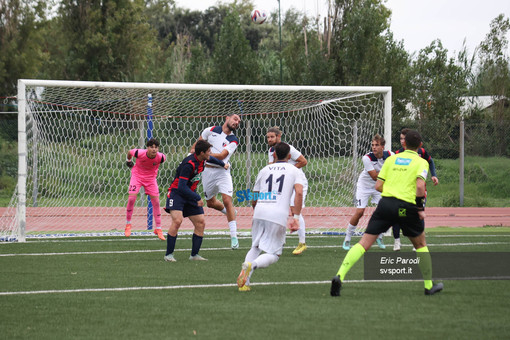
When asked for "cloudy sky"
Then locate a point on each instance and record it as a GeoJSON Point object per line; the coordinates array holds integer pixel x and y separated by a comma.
{"type": "Point", "coordinates": [417, 22]}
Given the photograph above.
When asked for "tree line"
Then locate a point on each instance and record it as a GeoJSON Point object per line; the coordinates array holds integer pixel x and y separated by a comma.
{"type": "Point", "coordinates": [156, 41]}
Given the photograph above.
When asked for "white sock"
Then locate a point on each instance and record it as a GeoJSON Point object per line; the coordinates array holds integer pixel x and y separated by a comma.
{"type": "Point", "coordinates": [252, 254]}
{"type": "Point", "coordinates": [302, 230]}
{"type": "Point", "coordinates": [265, 260]}
{"type": "Point", "coordinates": [232, 225]}
{"type": "Point", "coordinates": [380, 236]}
{"type": "Point", "coordinates": [224, 211]}
{"type": "Point", "coordinates": [350, 231]}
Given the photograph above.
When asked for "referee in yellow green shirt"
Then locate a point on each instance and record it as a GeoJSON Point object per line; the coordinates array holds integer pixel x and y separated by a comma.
{"type": "Point", "coordinates": [401, 182]}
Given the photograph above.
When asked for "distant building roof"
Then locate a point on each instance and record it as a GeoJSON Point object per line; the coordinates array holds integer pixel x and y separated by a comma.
{"type": "Point", "coordinates": [469, 105]}
{"type": "Point", "coordinates": [476, 103]}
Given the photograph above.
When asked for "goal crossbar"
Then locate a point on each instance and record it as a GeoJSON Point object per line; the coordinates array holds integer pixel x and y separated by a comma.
{"type": "Point", "coordinates": [331, 125]}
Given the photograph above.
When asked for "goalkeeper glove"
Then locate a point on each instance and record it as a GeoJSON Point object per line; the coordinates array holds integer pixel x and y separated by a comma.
{"type": "Point", "coordinates": [130, 163]}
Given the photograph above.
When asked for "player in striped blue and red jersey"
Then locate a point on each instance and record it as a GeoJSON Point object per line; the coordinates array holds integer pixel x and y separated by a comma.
{"type": "Point", "coordinates": [183, 201]}
{"type": "Point", "coordinates": [432, 167]}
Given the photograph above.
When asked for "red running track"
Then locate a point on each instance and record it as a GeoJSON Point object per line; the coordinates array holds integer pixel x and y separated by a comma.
{"type": "Point", "coordinates": [110, 219]}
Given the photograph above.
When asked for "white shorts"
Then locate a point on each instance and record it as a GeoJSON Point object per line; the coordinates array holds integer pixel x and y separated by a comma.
{"type": "Point", "coordinates": [305, 190]}
{"type": "Point", "coordinates": [217, 180]}
{"type": "Point", "coordinates": [363, 194]}
{"type": "Point", "coordinates": [268, 236]}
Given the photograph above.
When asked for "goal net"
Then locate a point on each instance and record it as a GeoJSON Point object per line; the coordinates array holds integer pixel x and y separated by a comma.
{"type": "Point", "coordinates": [74, 137]}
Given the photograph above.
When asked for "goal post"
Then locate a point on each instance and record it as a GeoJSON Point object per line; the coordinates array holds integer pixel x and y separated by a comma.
{"type": "Point", "coordinates": [73, 137]}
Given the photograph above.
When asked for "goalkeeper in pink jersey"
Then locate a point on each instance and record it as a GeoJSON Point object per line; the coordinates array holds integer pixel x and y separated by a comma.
{"type": "Point", "coordinates": [143, 174]}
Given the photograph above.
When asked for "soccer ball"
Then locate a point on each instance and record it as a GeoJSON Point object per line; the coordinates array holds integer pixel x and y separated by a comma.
{"type": "Point", "coordinates": [259, 16]}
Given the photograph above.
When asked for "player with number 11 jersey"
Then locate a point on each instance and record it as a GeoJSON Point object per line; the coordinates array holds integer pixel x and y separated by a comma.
{"type": "Point", "coordinates": [275, 185]}
{"type": "Point", "coordinates": [272, 195]}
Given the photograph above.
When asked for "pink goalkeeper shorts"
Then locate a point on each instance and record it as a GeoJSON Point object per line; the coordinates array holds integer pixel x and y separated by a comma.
{"type": "Point", "coordinates": [150, 186]}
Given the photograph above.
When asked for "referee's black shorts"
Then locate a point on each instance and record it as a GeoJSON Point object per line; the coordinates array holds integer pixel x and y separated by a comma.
{"type": "Point", "coordinates": [391, 211]}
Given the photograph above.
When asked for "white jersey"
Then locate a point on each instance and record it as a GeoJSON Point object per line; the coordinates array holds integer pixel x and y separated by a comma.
{"type": "Point", "coordinates": [220, 141]}
{"type": "Point", "coordinates": [370, 162]}
{"type": "Point", "coordinates": [275, 184]}
{"type": "Point", "coordinates": [294, 155]}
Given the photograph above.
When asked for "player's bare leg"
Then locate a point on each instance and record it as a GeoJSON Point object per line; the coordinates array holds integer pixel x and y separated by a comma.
{"type": "Point", "coordinates": [215, 204]}
{"type": "Point", "coordinates": [367, 240]}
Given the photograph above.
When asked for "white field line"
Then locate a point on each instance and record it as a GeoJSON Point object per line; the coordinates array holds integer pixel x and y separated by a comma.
{"type": "Point", "coordinates": [223, 285]}
{"type": "Point", "coordinates": [120, 289]}
{"type": "Point", "coordinates": [187, 237]}
{"type": "Point", "coordinates": [216, 249]}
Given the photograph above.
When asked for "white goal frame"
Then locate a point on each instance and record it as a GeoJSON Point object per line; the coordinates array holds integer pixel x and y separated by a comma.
{"type": "Point", "coordinates": [21, 207]}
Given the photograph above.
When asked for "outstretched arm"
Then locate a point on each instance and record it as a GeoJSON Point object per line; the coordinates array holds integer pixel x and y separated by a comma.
{"type": "Point", "coordinates": [373, 174]}
{"type": "Point", "coordinates": [222, 155]}
{"type": "Point", "coordinates": [300, 162]}
{"type": "Point", "coordinates": [298, 203]}
{"type": "Point", "coordinates": [129, 160]}
{"type": "Point", "coordinates": [216, 161]}
{"type": "Point", "coordinates": [433, 174]}
{"type": "Point", "coordinates": [185, 191]}
{"type": "Point", "coordinates": [379, 185]}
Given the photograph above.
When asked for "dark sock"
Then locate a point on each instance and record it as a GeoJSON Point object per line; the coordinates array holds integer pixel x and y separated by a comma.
{"type": "Point", "coordinates": [170, 243]}
{"type": "Point", "coordinates": [396, 231]}
{"type": "Point", "coordinates": [196, 243]}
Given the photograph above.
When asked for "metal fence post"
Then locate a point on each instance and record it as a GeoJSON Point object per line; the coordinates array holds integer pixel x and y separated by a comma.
{"type": "Point", "coordinates": [461, 163]}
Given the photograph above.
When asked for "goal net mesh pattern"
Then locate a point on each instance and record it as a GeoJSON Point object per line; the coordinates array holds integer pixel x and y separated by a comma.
{"type": "Point", "coordinates": [78, 138]}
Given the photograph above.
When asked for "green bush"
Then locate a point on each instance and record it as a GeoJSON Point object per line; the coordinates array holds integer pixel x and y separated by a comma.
{"type": "Point", "coordinates": [485, 183]}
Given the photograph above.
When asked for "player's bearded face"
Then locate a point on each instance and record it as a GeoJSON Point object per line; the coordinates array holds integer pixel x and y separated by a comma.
{"type": "Point", "coordinates": [271, 139]}
{"type": "Point", "coordinates": [233, 122]}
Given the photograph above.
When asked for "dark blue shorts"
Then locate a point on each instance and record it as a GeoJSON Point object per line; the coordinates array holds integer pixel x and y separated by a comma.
{"type": "Point", "coordinates": [391, 211]}
{"type": "Point", "coordinates": [176, 202]}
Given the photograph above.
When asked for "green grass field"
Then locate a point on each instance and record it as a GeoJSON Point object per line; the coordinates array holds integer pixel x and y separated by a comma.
{"type": "Point", "coordinates": [120, 288]}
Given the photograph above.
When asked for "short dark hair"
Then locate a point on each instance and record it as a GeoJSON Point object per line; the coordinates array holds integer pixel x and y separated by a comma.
{"type": "Point", "coordinates": [404, 131]}
{"type": "Point", "coordinates": [275, 130]}
{"type": "Point", "coordinates": [153, 141]}
{"type": "Point", "coordinates": [282, 150]}
{"type": "Point", "coordinates": [413, 139]}
{"type": "Point", "coordinates": [202, 146]}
